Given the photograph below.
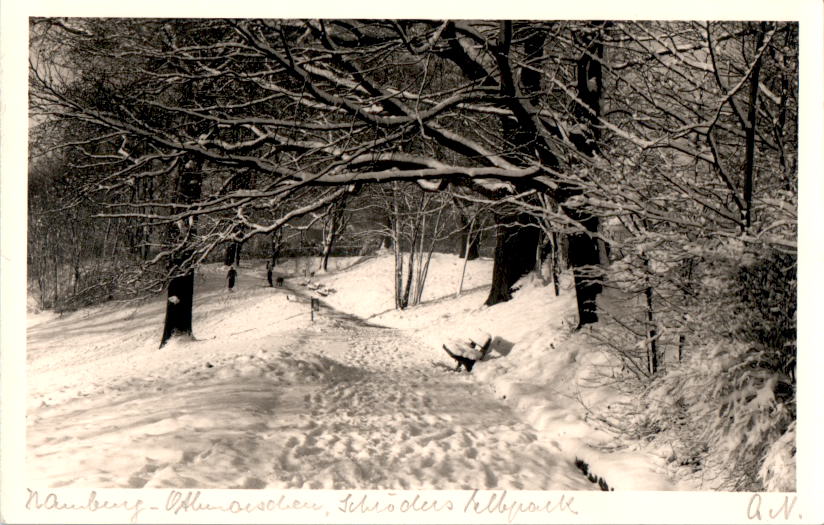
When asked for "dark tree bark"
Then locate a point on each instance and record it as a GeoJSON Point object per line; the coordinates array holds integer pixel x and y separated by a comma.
{"type": "Point", "coordinates": [149, 195]}
{"type": "Point", "coordinates": [327, 251]}
{"type": "Point", "coordinates": [276, 245]}
{"type": "Point", "coordinates": [332, 228]}
{"type": "Point", "coordinates": [394, 227]}
{"type": "Point", "coordinates": [242, 180]}
{"type": "Point", "coordinates": [749, 151]}
{"type": "Point", "coordinates": [179, 304]}
{"type": "Point", "coordinates": [652, 332]}
{"type": "Point", "coordinates": [583, 251]}
{"type": "Point", "coordinates": [516, 244]}
{"type": "Point", "coordinates": [514, 255]}
{"type": "Point", "coordinates": [413, 246]}
{"type": "Point", "coordinates": [178, 320]}
{"type": "Point", "coordinates": [232, 256]}
{"type": "Point", "coordinates": [474, 250]}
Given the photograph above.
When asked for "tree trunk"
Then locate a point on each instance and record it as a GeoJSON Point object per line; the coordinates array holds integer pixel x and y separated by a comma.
{"type": "Point", "coordinates": [409, 275]}
{"type": "Point", "coordinates": [275, 246]}
{"type": "Point", "coordinates": [474, 250]}
{"type": "Point", "coordinates": [583, 249]}
{"type": "Point", "coordinates": [423, 265]}
{"type": "Point", "coordinates": [516, 244]}
{"type": "Point", "coordinates": [411, 269]}
{"type": "Point", "coordinates": [327, 250]}
{"type": "Point", "coordinates": [419, 264]}
{"type": "Point", "coordinates": [232, 256]}
{"type": "Point", "coordinates": [555, 264]}
{"type": "Point", "coordinates": [179, 303]}
{"type": "Point", "coordinates": [584, 259]}
{"type": "Point", "coordinates": [333, 226]}
{"type": "Point", "coordinates": [465, 257]}
{"type": "Point", "coordinates": [652, 334]}
{"type": "Point", "coordinates": [145, 228]}
{"type": "Point", "coordinates": [749, 151]}
{"type": "Point", "coordinates": [398, 276]}
{"type": "Point", "coordinates": [514, 255]}
{"type": "Point", "coordinates": [394, 227]}
{"type": "Point", "coordinates": [181, 285]}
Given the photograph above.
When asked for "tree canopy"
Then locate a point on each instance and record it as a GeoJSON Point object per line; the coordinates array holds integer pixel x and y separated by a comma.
{"type": "Point", "coordinates": [681, 118]}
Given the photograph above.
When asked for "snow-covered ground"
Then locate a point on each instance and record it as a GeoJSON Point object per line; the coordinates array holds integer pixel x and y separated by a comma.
{"type": "Point", "coordinates": [360, 397]}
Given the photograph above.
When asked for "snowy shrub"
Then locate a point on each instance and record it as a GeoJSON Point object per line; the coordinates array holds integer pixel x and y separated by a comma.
{"type": "Point", "coordinates": [727, 407]}
{"type": "Point", "coordinates": [723, 395]}
{"type": "Point", "coordinates": [766, 313]}
{"type": "Point", "coordinates": [731, 403]}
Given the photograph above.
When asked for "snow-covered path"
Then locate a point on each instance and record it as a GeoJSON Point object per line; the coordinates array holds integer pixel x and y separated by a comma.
{"type": "Point", "coordinates": [333, 404]}
{"type": "Point", "coordinates": [404, 420]}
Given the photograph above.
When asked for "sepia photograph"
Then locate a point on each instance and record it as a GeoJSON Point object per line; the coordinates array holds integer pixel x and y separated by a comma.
{"type": "Point", "coordinates": [459, 260]}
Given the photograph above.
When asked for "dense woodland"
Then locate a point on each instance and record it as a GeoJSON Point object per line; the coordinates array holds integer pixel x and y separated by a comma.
{"type": "Point", "coordinates": [655, 161]}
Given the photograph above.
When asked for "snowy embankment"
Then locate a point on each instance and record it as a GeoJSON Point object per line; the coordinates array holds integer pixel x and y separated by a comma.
{"type": "Point", "coordinates": [267, 397]}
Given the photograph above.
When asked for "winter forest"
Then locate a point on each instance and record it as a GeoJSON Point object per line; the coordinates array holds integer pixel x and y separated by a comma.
{"type": "Point", "coordinates": [412, 254]}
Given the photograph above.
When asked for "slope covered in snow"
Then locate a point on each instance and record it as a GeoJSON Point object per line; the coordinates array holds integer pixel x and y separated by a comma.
{"type": "Point", "coordinates": [356, 395]}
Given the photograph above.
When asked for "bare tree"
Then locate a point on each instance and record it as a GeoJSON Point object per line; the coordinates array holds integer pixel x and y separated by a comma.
{"type": "Point", "coordinates": [334, 224]}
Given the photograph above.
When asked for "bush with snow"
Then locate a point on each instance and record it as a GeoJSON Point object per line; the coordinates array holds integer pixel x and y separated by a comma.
{"type": "Point", "coordinates": [726, 408]}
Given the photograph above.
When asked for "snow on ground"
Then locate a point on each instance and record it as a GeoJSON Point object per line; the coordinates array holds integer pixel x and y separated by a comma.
{"type": "Point", "coordinates": [361, 397]}
{"type": "Point", "coordinates": [550, 375]}
{"type": "Point", "coordinates": [365, 286]}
